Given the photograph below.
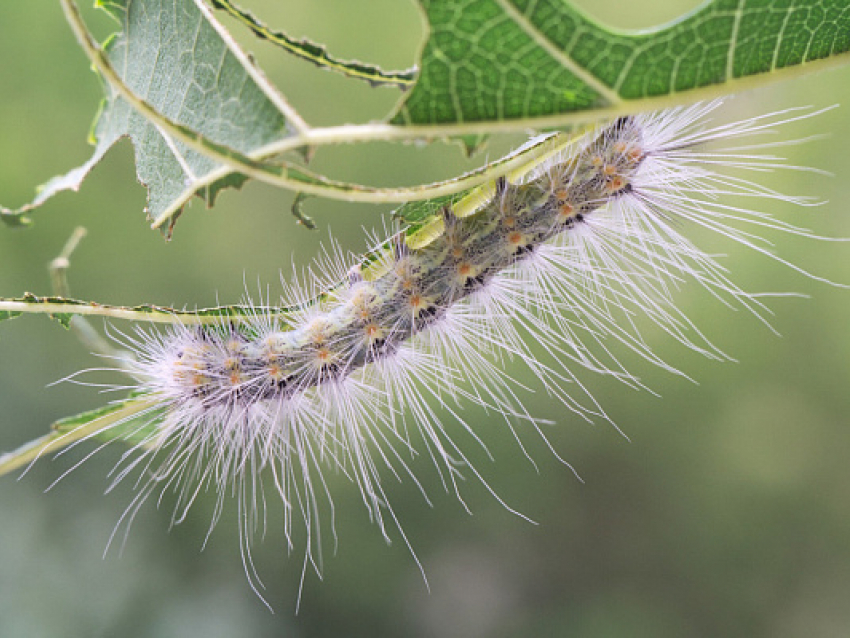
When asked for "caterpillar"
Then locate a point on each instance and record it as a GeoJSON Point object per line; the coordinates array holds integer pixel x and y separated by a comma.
{"type": "Point", "coordinates": [370, 361]}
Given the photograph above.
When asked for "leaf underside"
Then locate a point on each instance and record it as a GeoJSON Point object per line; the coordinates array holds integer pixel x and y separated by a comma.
{"type": "Point", "coordinates": [171, 56]}
{"type": "Point", "coordinates": [132, 420]}
{"type": "Point", "coordinates": [63, 308]}
{"type": "Point", "coordinates": [135, 428]}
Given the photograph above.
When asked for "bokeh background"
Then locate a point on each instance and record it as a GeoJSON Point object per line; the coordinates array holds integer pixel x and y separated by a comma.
{"type": "Point", "coordinates": [727, 514]}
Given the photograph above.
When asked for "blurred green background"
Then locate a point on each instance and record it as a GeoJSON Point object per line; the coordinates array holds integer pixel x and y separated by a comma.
{"type": "Point", "coordinates": [727, 514]}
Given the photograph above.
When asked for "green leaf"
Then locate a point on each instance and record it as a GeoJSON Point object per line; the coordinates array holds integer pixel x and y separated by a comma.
{"type": "Point", "coordinates": [231, 161]}
{"type": "Point", "coordinates": [130, 420]}
{"type": "Point", "coordinates": [63, 309]}
{"type": "Point", "coordinates": [64, 318]}
{"type": "Point", "coordinates": [133, 420]}
{"type": "Point", "coordinates": [414, 214]}
{"type": "Point", "coordinates": [54, 307]}
{"type": "Point", "coordinates": [15, 218]}
{"type": "Point", "coordinates": [318, 53]}
{"type": "Point", "coordinates": [202, 116]}
{"type": "Point", "coordinates": [174, 58]}
{"type": "Point", "coordinates": [495, 60]}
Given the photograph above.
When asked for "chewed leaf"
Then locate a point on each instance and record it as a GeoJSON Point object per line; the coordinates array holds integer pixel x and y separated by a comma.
{"type": "Point", "coordinates": [494, 60]}
{"type": "Point", "coordinates": [63, 309]}
{"type": "Point", "coordinates": [132, 420]}
{"type": "Point", "coordinates": [174, 58]}
{"type": "Point", "coordinates": [318, 53]}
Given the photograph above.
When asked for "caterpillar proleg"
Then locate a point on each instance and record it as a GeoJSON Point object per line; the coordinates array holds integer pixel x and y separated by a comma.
{"type": "Point", "coordinates": [369, 361]}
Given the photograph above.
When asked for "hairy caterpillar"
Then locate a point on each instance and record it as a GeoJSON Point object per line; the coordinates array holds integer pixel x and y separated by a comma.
{"type": "Point", "coordinates": [564, 255]}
